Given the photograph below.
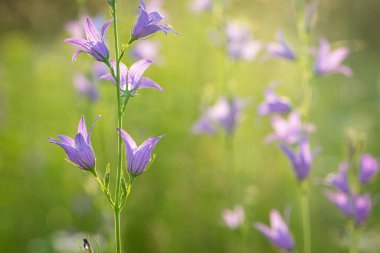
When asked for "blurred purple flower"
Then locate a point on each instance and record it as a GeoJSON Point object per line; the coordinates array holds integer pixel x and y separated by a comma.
{"type": "Point", "coordinates": [94, 44]}
{"type": "Point", "coordinates": [240, 44]}
{"type": "Point", "coordinates": [138, 158]}
{"type": "Point", "coordinates": [368, 168]}
{"type": "Point", "coordinates": [132, 79]}
{"type": "Point", "coordinates": [147, 49]}
{"type": "Point", "coordinates": [147, 24]}
{"type": "Point", "coordinates": [330, 62]}
{"type": "Point", "coordinates": [289, 131]}
{"type": "Point", "coordinates": [200, 5]}
{"type": "Point", "coordinates": [357, 207]}
{"type": "Point", "coordinates": [302, 160]}
{"type": "Point", "coordinates": [85, 87]}
{"type": "Point", "coordinates": [342, 200]}
{"type": "Point", "coordinates": [339, 180]}
{"type": "Point", "coordinates": [79, 150]}
{"type": "Point", "coordinates": [99, 69]}
{"type": "Point", "coordinates": [234, 218]}
{"type": "Point", "coordinates": [281, 49]}
{"type": "Point", "coordinates": [278, 233]}
{"type": "Point", "coordinates": [226, 113]}
{"type": "Point", "coordinates": [273, 104]}
{"type": "Point", "coordinates": [363, 207]}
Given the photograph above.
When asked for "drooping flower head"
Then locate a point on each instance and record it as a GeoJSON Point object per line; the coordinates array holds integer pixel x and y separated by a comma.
{"type": "Point", "coordinates": [357, 207]}
{"type": "Point", "coordinates": [138, 158]}
{"type": "Point", "coordinates": [240, 44]}
{"type": "Point", "coordinates": [278, 233]}
{"type": "Point", "coordinates": [94, 44]}
{"type": "Point", "coordinates": [289, 131]}
{"type": "Point", "coordinates": [148, 23]}
{"type": "Point", "coordinates": [302, 160]}
{"type": "Point", "coordinates": [200, 5]}
{"type": "Point", "coordinates": [339, 180]}
{"type": "Point", "coordinates": [234, 218]}
{"type": "Point", "coordinates": [131, 79]}
{"type": "Point", "coordinates": [368, 168]}
{"type": "Point", "coordinates": [225, 113]}
{"type": "Point", "coordinates": [273, 104]}
{"type": "Point", "coordinates": [85, 87]}
{"type": "Point", "coordinates": [281, 49]}
{"type": "Point", "coordinates": [328, 62]}
{"type": "Point", "coordinates": [79, 150]}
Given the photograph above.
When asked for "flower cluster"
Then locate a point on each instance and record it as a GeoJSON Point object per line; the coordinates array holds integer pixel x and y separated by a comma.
{"type": "Point", "coordinates": [351, 203]}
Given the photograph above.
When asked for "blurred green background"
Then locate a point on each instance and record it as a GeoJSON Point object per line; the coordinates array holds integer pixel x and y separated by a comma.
{"type": "Point", "coordinates": [47, 205]}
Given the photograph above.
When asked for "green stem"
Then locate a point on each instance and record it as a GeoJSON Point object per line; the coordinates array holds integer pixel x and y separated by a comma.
{"type": "Point", "coordinates": [305, 215]}
{"type": "Point", "coordinates": [119, 140]}
{"type": "Point", "coordinates": [352, 244]}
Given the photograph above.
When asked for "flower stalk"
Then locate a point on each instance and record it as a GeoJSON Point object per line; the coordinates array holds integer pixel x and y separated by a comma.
{"type": "Point", "coordinates": [305, 215]}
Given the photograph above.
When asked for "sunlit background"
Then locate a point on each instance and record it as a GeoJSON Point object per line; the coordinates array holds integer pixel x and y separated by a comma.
{"type": "Point", "coordinates": [48, 205]}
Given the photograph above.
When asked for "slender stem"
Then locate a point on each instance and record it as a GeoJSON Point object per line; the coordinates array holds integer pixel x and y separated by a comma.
{"type": "Point", "coordinates": [352, 244]}
{"type": "Point", "coordinates": [119, 140]}
{"type": "Point", "coordinates": [305, 215]}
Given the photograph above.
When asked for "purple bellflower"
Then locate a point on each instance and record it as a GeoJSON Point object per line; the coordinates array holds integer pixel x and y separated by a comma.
{"type": "Point", "coordinates": [289, 131]}
{"type": "Point", "coordinates": [94, 44]}
{"type": "Point", "coordinates": [131, 79]}
{"type": "Point", "coordinates": [281, 49]}
{"type": "Point", "coordinates": [200, 5]}
{"type": "Point", "coordinates": [234, 218]}
{"type": "Point", "coordinates": [273, 104]}
{"type": "Point", "coordinates": [240, 44]}
{"type": "Point", "coordinates": [147, 24]}
{"type": "Point", "coordinates": [138, 158]}
{"type": "Point", "coordinates": [85, 87]}
{"type": "Point", "coordinates": [302, 160]}
{"type": "Point", "coordinates": [368, 168]}
{"type": "Point", "coordinates": [330, 62]}
{"type": "Point", "coordinates": [79, 150]}
{"type": "Point", "coordinates": [278, 233]}
{"type": "Point", "coordinates": [225, 113]}
{"type": "Point", "coordinates": [355, 206]}
{"type": "Point", "coordinates": [340, 180]}
{"type": "Point", "coordinates": [358, 207]}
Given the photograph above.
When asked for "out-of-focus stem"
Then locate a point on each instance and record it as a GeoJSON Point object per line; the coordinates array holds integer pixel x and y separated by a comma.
{"type": "Point", "coordinates": [352, 237]}
{"type": "Point", "coordinates": [305, 215]}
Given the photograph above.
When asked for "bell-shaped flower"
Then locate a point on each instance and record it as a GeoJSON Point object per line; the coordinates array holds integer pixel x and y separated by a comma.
{"type": "Point", "coordinates": [79, 150]}
{"type": "Point", "coordinates": [234, 218]}
{"type": "Point", "coordinates": [368, 168]}
{"type": "Point", "coordinates": [94, 44]}
{"type": "Point", "coordinates": [302, 160]}
{"type": "Point", "coordinates": [240, 44]}
{"type": "Point", "coordinates": [278, 233]}
{"type": "Point", "coordinates": [327, 61]}
{"type": "Point", "coordinates": [225, 113]}
{"type": "Point", "coordinates": [138, 158]}
{"type": "Point", "coordinates": [339, 180]}
{"type": "Point", "coordinates": [363, 207]}
{"type": "Point", "coordinates": [281, 49]}
{"type": "Point", "coordinates": [273, 104]}
{"type": "Point", "coordinates": [148, 24]}
{"type": "Point", "coordinates": [131, 79]}
{"type": "Point", "coordinates": [357, 207]}
{"type": "Point", "coordinates": [289, 130]}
